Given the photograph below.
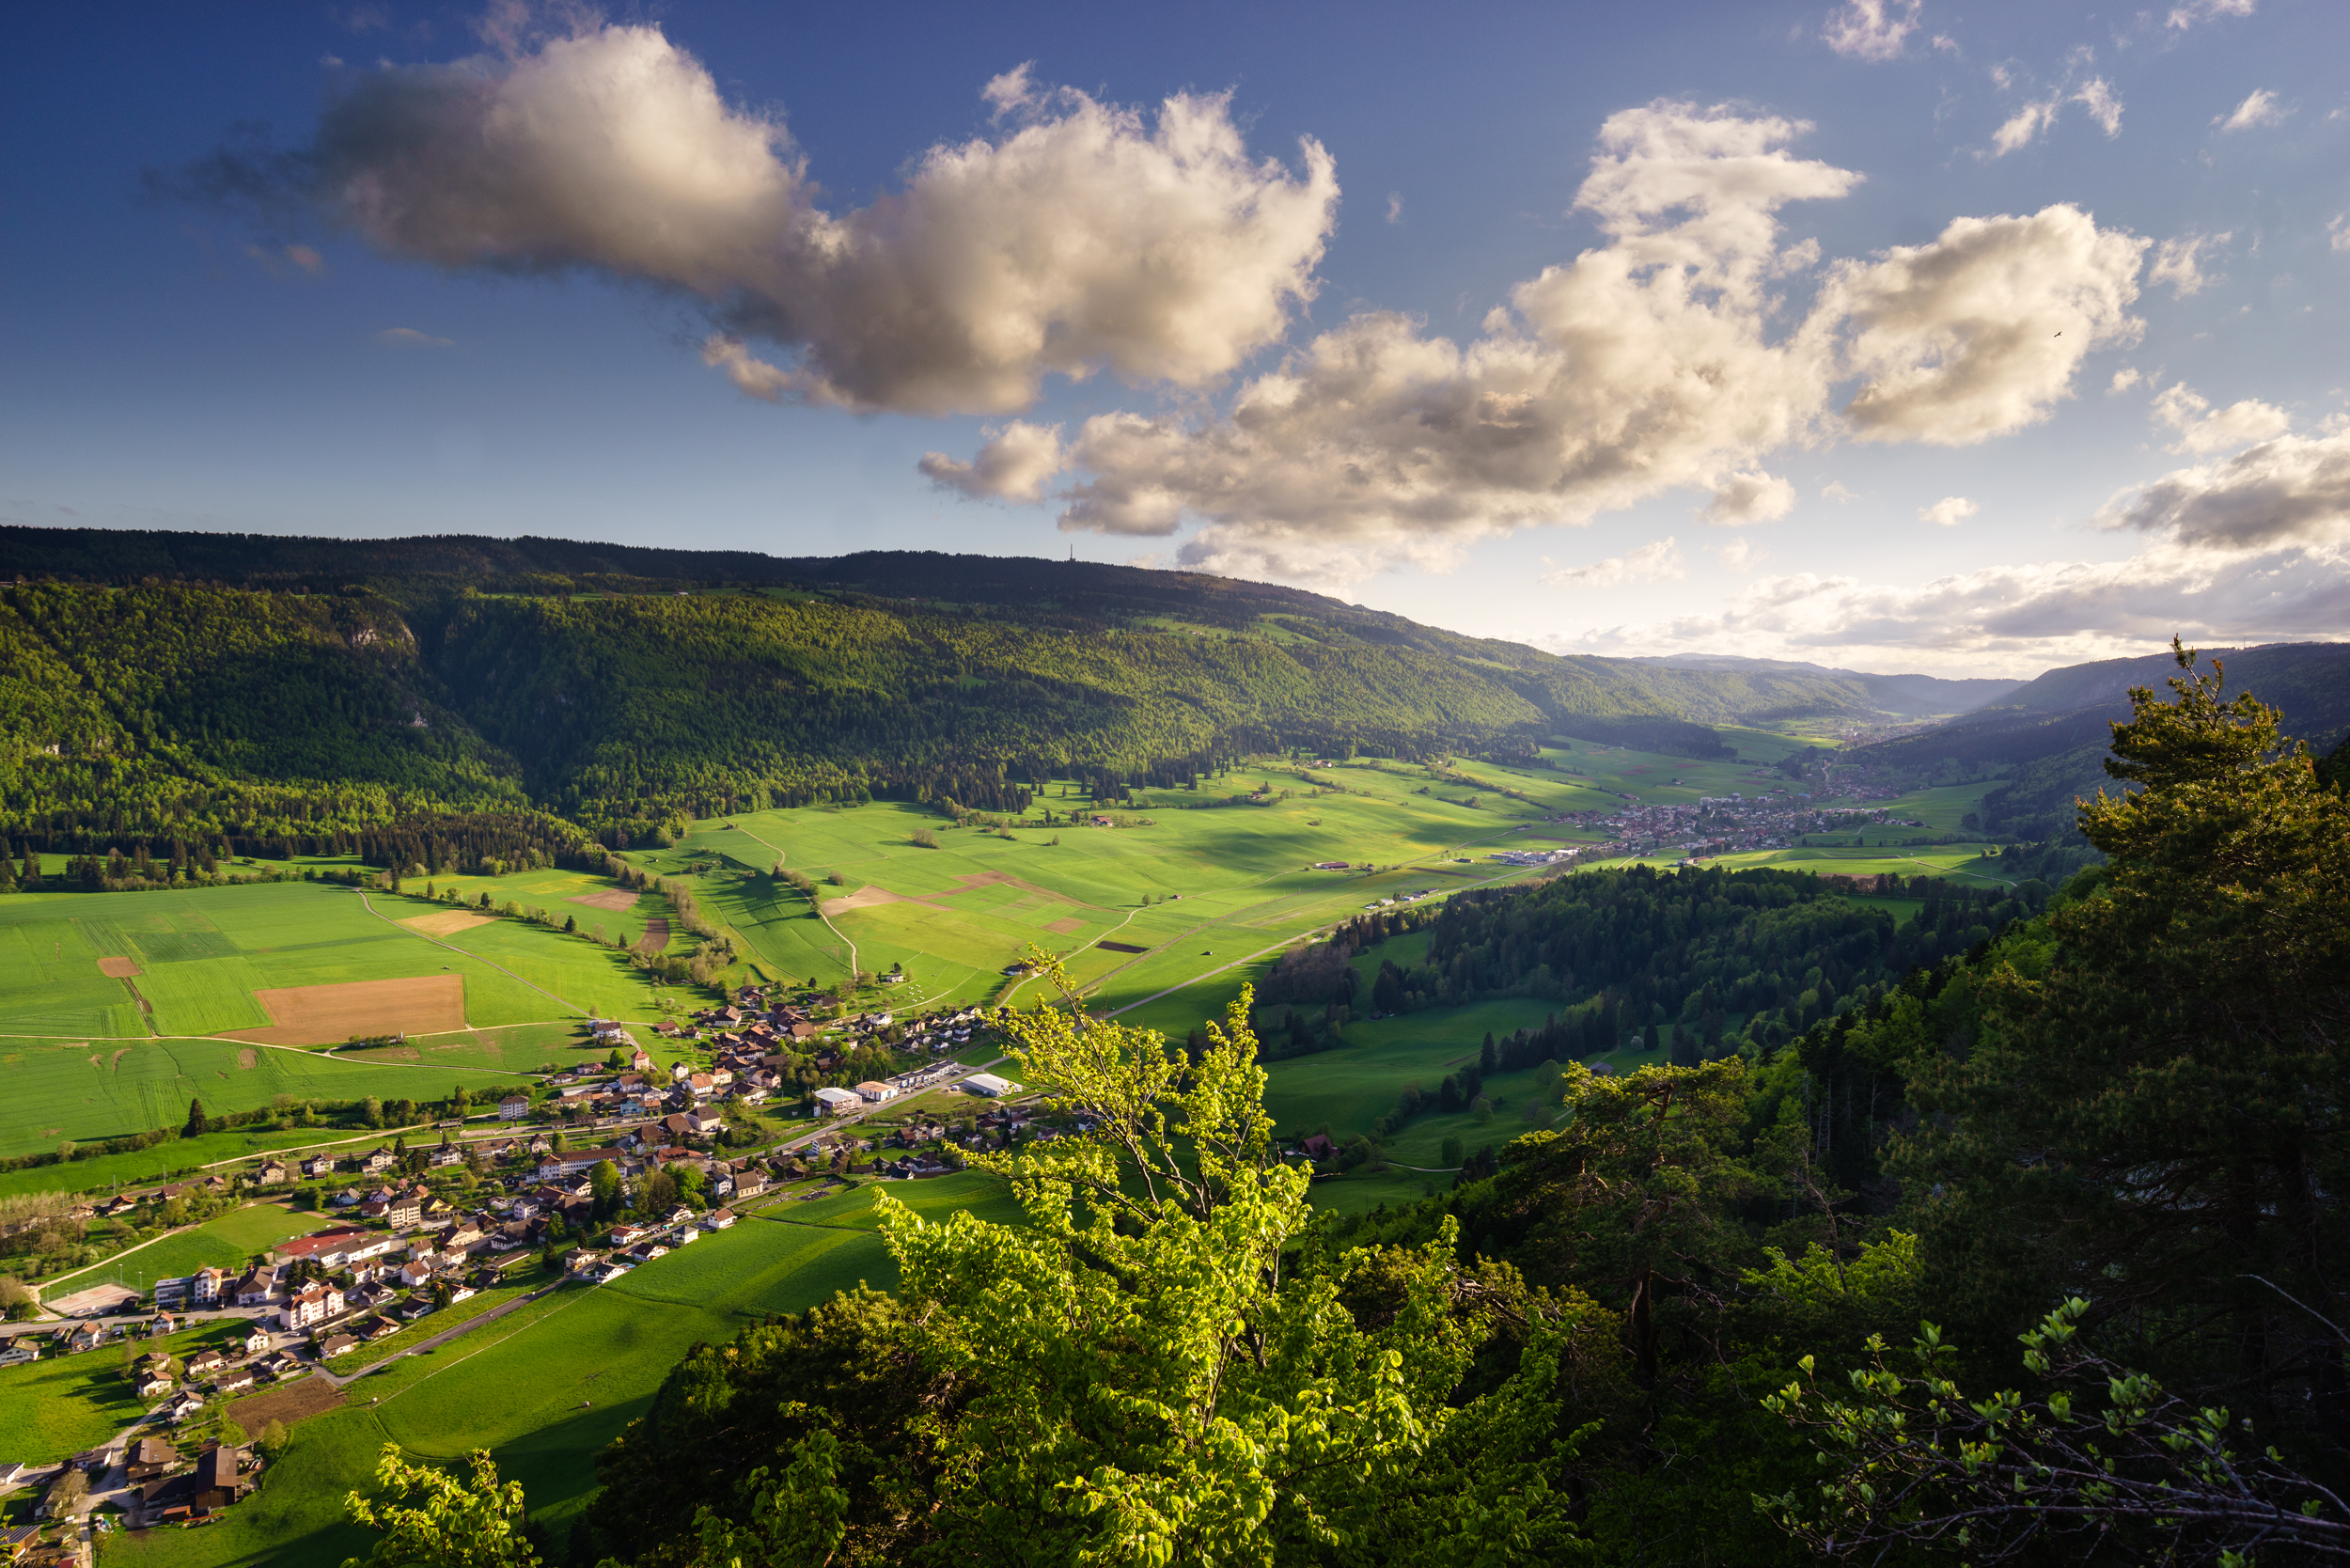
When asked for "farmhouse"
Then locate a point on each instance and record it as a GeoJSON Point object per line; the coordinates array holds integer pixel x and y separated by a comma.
{"type": "Point", "coordinates": [149, 1457]}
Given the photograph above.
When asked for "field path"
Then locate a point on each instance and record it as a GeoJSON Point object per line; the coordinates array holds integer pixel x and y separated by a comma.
{"type": "Point", "coordinates": [112, 1259]}
{"type": "Point", "coordinates": [814, 898]}
{"type": "Point", "coordinates": [462, 953]}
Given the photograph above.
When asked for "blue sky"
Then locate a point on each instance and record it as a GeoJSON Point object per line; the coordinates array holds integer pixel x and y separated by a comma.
{"type": "Point", "coordinates": [1897, 336]}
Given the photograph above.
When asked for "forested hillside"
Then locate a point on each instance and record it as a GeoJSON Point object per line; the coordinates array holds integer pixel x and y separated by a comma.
{"type": "Point", "coordinates": [1672, 958]}
{"type": "Point", "coordinates": [2053, 731]}
{"type": "Point", "coordinates": [258, 690]}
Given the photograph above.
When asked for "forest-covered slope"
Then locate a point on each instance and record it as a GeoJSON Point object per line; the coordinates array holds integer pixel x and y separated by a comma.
{"type": "Point", "coordinates": [2054, 730]}
{"type": "Point", "coordinates": [251, 687]}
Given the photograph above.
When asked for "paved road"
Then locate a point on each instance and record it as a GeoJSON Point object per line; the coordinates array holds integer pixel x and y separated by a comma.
{"type": "Point", "coordinates": [438, 1341]}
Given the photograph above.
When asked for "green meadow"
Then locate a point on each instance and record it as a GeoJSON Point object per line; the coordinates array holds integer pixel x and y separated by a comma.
{"type": "Point", "coordinates": [88, 1090]}
{"type": "Point", "coordinates": [85, 1056]}
{"type": "Point", "coordinates": [60, 1404]}
{"type": "Point", "coordinates": [548, 1386]}
{"type": "Point", "coordinates": [174, 1157]}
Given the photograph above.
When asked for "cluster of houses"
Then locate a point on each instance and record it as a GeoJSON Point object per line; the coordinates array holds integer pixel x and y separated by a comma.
{"type": "Point", "coordinates": [155, 1482]}
{"type": "Point", "coordinates": [754, 1032]}
{"type": "Point", "coordinates": [633, 1246]}
{"type": "Point", "coordinates": [1720, 824]}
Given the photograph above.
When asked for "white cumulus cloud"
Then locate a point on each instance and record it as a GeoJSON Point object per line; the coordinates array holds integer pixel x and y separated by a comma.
{"type": "Point", "coordinates": [1652, 361]}
{"type": "Point", "coordinates": [1743, 499]}
{"type": "Point", "coordinates": [2291, 491]}
{"type": "Point", "coordinates": [1948, 512]}
{"type": "Point", "coordinates": [2193, 11]}
{"type": "Point", "coordinates": [2017, 619]}
{"type": "Point", "coordinates": [1659, 561]}
{"type": "Point", "coordinates": [1979, 333]}
{"type": "Point", "coordinates": [1080, 235]}
{"type": "Point", "coordinates": [2179, 262]}
{"type": "Point", "coordinates": [2202, 428]}
{"type": "Point", "coordinates": [2036, 116]}
{"type": "Point", "coordinates": [1871, 29]}
{"type": "Point", "coordinates": [1016, 466]}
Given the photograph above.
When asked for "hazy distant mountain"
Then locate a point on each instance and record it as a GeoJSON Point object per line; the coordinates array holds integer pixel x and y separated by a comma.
{"type": "Point", "coordinates": [1900, 695]}
{"type": "Point", "coordinates": [2054, 730]}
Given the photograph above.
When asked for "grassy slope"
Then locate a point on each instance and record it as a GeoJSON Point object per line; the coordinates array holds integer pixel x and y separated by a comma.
{"type": "Point", "coordinates": [205, 951]}
{"type": "Point", "coordinates": [548, 1387]}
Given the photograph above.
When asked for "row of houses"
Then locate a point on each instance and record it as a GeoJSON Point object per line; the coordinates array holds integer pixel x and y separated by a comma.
{"type": "Point", "coordinates": [634, 1246]}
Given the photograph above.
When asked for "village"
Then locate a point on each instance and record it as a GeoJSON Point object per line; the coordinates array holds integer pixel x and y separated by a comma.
{"type": "Point", "coordinates": [595, 1173]}
{"type": "Point", "coordinates": [1713, 824]}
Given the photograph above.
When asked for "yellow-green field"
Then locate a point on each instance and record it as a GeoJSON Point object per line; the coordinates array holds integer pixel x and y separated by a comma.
{"type": "Point", "coordinates": [1207, 892]}
{"type": "Point", "coordinates": [86, 1054]}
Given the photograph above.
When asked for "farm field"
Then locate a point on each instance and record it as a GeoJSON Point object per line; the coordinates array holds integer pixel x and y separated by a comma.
{"type": "Point", "coordinates": [88, 1090]}
{"type": "Point", "coordinates": [173, 1157]}
{"type": "Point", "coordinates": [190, 962]}
{"type": "Point", "coordinates": [227, 1242]}
{"type": "Point", "coordinates": [1222, 882]}
{"type": "Point", "coordinates": [956, 916]}
{"type": "Point", "coordinates": [116, 1009]}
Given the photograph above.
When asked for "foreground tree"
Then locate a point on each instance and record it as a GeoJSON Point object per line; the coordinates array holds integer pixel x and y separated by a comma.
{"type": "Point", "coordinates": [2150, 1112]}
{"type": "Point", "coordinates": [2103, 1459]}
{"type": "Point", "coordinates": [1142, 1373]}
{"type": "Point", "coordinates": [431, 1518]}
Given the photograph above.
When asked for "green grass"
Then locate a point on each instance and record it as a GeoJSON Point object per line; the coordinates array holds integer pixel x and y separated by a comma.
{"type": "Point", "coordinates": [87, 1090]}
{"type": "Point", "coordinates": [1353, 1086]}
{"type": "Point", "coordinates": [1239, 871]}
{"type": "Point", "coordinates": [523, 1280]}
{"type": "Point", "coordinates": [176, 1157]}
{"type": "Point", "coordinates": [60, 1404]}
{"type": "Point", "coordinates": [204, 951]}
{"type": "Point", "coordinates": [227, 1242]}
{"type": "Point", "coordinates": [77, 1060]}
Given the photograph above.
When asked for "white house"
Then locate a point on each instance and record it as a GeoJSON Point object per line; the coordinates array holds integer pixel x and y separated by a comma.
{"type": "Point", "coordinates": [989, 1085]}
{"type": "Point", "coordinates": [514, 1107]}
{"type": "Point", "coordinates": [876, 1092]}
{"type": "Point", "coordinates": [837, 1101]}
